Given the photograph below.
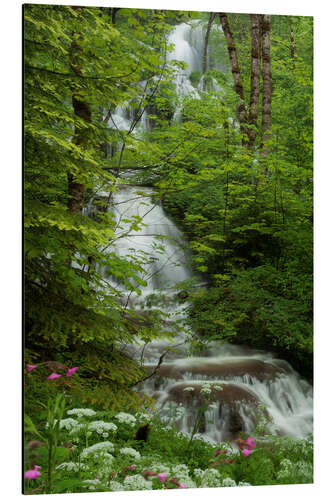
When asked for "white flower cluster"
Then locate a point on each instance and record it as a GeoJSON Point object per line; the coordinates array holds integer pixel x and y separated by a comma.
{"type": "Point", "coordinates": [160, 468]}
{"type": "Point", "coordinates": [182, 473]}
{"type": "Point", "coordinates": [102, 428]}
{"type": "Point", "coordinates": [116, 486]}
{"type": "Point", "coordinates": [98, 449]}
{"type": "Point", "coordinates": [241, 483]}
{"type": "Point", "coordinates": [188, 389]}
{"type": "Point", "coordinates": [81, 412]}
{"type": "Point", "coordinates": [228, 482]}
{"type": "Point", "coordinates": [143, 418]}
{"type": "Point", "coordinates": [137, 482]}
{"type": "Point", "coordinates": [180, 412]}
{"type": "Point", "coordinates": [302, 472]}
{"type": "Point", "coordinates": [207, 388]}
{"type": "Point", "coordinates": [130, 451]}
{"type": "Point", "coordinates": [210, 479]}
{"type": "Point", "coordinates": [126, 418]}
{"type": "Point", "coordinates": [68, 423]}
{"type": "Point", "coordinates": [72, 466]}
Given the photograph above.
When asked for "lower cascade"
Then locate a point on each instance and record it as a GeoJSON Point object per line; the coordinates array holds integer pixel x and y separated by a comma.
{"type": "Point", "coordinates": [232, 384]}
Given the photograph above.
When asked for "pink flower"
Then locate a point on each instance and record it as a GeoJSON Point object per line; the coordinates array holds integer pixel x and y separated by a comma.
{"type": "Point", "coordinates": [182, 486]}
{"type": "Point", "coordinates": [53, 376]}
{"type": "Point", "coordinates": [32, 473]}
{"type": "Point", "coordinates": [131, 467]}
{"type": "Point", "coordinates": [31, 367]}
{"type": "Point", "coordinates": [71, 371]}
{"type": "Point", "coordinates": [162, 477]}
{"type": "Point", "coordinates": [251, 442]}
{"type": "Point", "coordinates": [246, 452]}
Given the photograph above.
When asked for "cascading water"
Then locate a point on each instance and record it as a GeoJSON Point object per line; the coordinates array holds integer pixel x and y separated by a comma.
{"type": "Point", "coordinates": [241, 378]}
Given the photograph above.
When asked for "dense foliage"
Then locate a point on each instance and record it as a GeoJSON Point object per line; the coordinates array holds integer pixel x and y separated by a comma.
{"type": "Point", "coordinates": [74, 69]}
{"type": "Point", "coordinates": [248, 216]}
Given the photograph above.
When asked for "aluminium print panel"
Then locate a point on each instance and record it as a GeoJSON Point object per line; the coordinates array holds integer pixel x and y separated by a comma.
{"type": "Point", "coordinates": [168, 249]}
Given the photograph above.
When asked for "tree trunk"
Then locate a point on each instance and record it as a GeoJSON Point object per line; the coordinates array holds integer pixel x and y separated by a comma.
{"type": "Point", "coordinates": [292, 43]}
{"type": "Point", "coordinates": [205, 52]}
{"type": "Point", "coordinates": [241, 110]}
{"type": "Point", "coordinates": [266, 79]}
{"type": "Point", "coordinates": [255, 78]}
{"type": "Point", "coordinates": [82, 111]}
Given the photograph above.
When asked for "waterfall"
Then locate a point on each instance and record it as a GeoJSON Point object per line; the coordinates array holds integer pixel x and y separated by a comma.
{"type": "Point", "coordinates": [240, 378]}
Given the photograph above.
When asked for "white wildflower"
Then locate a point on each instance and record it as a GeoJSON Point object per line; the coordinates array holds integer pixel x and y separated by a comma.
{"type": "Point", "coordinates": [160, 469]}
{"type": "Point", "coordinates": [116, 486]}
{"type": "Point", "coordinates": [68, 424]}
{"type": "Point", "coordinates": [137, 482]}
{"type": "Point", "coordinates": [130, 451]}
{"type": "Point", "coordinates": [210, 479]}
{"type": "Point", "coordinates": [188, 389]}
{"type": "Point", "coordinates": [99, 426]}
{"type": "Point", "coordinates": [126, 418]}
{"type": "Point", "coordinates": [228, 482]}
{"type": "Point", "coordinates": [206, 388]}
{"type": "Point", "coordinates": [97, 449]}
{"type": "Point", "coordinates": [241, 483]}
{"type": "Point", "coordinates": [72, 466]}
{"type": "Point", "coordinates": [81, 412]}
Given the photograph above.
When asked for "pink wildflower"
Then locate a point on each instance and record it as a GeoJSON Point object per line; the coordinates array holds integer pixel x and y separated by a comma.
{"type": "Point", "coordinates": [251, 443]}
{"type": "Point", "coordinates": [182, 486]}
{"type": "Point", "coordinates": [246, 452]}
{"type": "Point", "coordinates": [131, 467]}
{"type": "Point", "coordinates": [53, 376]}
{"type": "Point", "coordinates": [31, 367]}
{"type": "Point", "coordinates": [71, 371]}
{"type": "Point", "coordinates": [162, 476]}
{"type": "Point", "coordinates": [32, 473]}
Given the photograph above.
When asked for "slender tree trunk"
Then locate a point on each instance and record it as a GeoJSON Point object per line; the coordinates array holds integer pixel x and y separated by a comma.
{"type": "Point", "coordinates": [114, 11]}
{"type": "Point", "coordinates": [241, 110]}
{"type": "Point", "coordinates": [292, 43]}
{"type": "Point", "coordinates": [255, 78]}
{"type": "Point", "coordinates": [82, 111]}
{"type": "Point", "coordinates": [205, 52]}
{"type": "Point", "coordinates": [266, 79]}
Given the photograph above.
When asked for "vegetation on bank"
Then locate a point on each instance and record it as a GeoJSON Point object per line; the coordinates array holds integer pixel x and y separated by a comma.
{"type": "Point", "coordinates": [73, 449]}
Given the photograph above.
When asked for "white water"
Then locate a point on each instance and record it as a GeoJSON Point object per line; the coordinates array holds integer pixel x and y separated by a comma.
{"type": "Point", "coordinates": [259, 375]}
{"type": "Point", "coordinates": [243, 377]}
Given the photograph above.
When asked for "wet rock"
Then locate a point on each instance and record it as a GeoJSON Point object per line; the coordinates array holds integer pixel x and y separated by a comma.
{"type": "Point", "coordinates": [255, 368]}
{"type": "Point", "coordinates": [252, 367]}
